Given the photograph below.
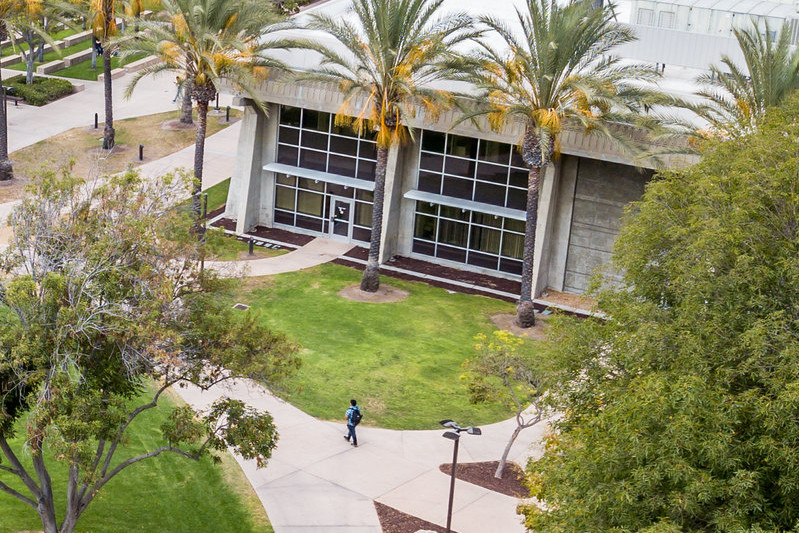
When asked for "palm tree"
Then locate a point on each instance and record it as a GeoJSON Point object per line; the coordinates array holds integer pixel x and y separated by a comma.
{"type": "Point", "coordinates": [387, 56]}
{"type": "Point", "coordinates": [553, 69]}
{"type": "Point", "coordinates": [7, 9]}
{"type": "Point", "coordinates": [105, 27]}
{"type": "Point", "coordinates": [739, 100]}
{"type": "Point", "coordinates": [208, 42]}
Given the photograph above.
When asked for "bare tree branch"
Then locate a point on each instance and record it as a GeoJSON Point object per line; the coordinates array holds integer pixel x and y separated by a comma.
{"type": "Point", "coordinates": [5, 488]}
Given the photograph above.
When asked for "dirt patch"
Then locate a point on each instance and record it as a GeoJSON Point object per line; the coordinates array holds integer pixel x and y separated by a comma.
{"type": "Point", "coordinates": [570, 300]}
{"type": "Point", "coordinates": [394, 521]}
{"type": "Point", "coordinates": [245, 256]}
{"type": "Point", "coordinates": [385, 294]}
{"type": "Point", "coordinates": [506, 321]}
{"type": "Point", "coordinates": [176, 125]}
{"type": "Point", "coordinates": [5, 234]}
{"type": "Point", "coordinates": [482, 475]}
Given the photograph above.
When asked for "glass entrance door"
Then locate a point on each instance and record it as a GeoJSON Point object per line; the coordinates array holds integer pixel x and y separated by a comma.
{"type": "Point", "coordinates": [341, 218]}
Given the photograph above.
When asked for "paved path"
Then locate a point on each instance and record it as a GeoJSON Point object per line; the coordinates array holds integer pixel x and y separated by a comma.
{"type": "Point", "coordinates": [317, 483]}
{"type": "Point", "coordinates": [316, 252]}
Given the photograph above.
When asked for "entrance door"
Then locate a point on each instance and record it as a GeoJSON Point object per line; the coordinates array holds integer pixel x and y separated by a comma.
{"type": "Point", "coordinates": [341, 218]}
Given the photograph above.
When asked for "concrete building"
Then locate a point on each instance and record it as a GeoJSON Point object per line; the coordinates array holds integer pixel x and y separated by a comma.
{"type": "Point", "coordinates": [455, 195]}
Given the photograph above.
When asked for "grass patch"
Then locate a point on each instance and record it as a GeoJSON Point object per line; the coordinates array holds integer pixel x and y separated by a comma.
{"type": "Point", "coordinates": [167, 493]}
{"type": "Point", "coordinates": [402, 361]}
{"type": "Point", "coordinates": [83, 144]}
{"type": "Point", "coordinates": [217, 194]}
{"type": "Point", "coordinates": [52, 56]}
{"type": "Point", "coordinates": [84, 70]}
{"type": "Point", "coordinates": [224, 248]}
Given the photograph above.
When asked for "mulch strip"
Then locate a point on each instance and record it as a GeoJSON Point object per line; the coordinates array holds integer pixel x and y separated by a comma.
{"type": "Point", "coordinates": [394, 521]}
{"type": "Point", "coordinates": [482, 475]}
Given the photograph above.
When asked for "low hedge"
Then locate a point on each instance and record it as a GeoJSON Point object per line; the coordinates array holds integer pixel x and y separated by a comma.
{"type": "Point", "coordinates": [42, 91]}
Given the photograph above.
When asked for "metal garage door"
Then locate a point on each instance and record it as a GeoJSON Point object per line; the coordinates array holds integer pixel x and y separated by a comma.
{"type": "Point", "coordinates": [601, 192]}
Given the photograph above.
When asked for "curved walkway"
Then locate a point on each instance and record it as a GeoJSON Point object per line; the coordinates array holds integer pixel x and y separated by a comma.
{"type": "Point", "coordinates": [316, 252]}
{"type": "Point", "coordinates": [316, 482]}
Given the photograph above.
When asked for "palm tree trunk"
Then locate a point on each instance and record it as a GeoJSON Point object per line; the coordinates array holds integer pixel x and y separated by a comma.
{"type": "Point", "coordinates": [199, 153]}
{"type": "Point", "coordinates": [108, 131]}
{"type": "Point", "coordinates": [6, 169]}
{"type": "Point", "coordinates": [371, 275]}
{"type": "Point", "coordinates": [525, 312]}
{"type": "Point", "coordinates": [185, 110]}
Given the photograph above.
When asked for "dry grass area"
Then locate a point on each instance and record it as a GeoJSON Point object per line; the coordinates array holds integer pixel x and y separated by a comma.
{"type": "Point", "coordinates": [84, 145]}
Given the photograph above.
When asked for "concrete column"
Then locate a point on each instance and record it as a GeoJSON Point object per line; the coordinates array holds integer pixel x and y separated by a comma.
{"type": "Point", "coordinates": [244, 195]}
{"type": "Point", "coordinates": [543, 235]}
{"type": "Point", "coordinates": [266, 212]}
{"type": "Point", "coordinates": [561, 227]}
{"type": "Point", "coordinates": [407, 209]}
{"type": "Point", "coordinates": [391, 203]}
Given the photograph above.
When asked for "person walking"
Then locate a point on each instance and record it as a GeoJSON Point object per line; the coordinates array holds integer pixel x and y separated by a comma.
{"type": "Point", "coordinates": [353, 416]}
{"type": "Point", "coordinates": [179, 82]}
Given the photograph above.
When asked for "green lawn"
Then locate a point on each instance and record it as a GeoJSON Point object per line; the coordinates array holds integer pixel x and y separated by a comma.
{"type": "Point", "coordinates": [402, 361]}
{"type": "Point", "coordinates": [57, 36]}
{"type": "Point", "coordinates": [217, 195]}
{"type": "Point", "coordinates": [52, 56]}
{"type": "Point", "coordinates": [165, 494]}
{"type": "Point", "coordinates": [83, 71]}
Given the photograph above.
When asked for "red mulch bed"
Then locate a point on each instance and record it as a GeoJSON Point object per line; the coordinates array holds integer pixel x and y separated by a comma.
{"type": "Point", "coordinates": [482, 474]}
{"type": "Point", "coordinates": [393, 521]}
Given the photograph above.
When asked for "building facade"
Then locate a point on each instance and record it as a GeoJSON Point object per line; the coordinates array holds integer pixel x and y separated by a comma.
{"type": "Point", "coordinates": [455, 194]}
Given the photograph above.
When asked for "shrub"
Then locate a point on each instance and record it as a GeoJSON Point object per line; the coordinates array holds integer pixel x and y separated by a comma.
{"type": "Point", "coordinates": [42, 91]}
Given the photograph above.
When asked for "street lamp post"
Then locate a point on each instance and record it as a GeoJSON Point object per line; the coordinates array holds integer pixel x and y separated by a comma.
{"type": "Point", "coordinates": [455, 435]}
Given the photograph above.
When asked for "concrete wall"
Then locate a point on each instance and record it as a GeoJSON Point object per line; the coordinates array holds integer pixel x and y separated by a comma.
{"type": "Point", "coordinates": [601, 192]}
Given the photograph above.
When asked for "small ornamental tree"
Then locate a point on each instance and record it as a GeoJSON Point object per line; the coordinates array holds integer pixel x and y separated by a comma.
{"type": "Point", "coordinates": [102, 300]}
{"type": "Point", "coordinates": [502, 371]}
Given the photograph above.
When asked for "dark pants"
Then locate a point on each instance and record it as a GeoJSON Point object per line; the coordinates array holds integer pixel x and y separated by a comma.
{"type": "Point", "coordinates": [351, 434]}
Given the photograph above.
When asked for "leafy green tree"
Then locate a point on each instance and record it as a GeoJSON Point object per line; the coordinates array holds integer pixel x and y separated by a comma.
{"type": "Point", "coordinates": [553, 70]}
{"type": "Point", "coordinates": [208, 42]}
{"type": "Point", "coordinates": [740, 94]}
{"type": "Point", "coordinates": [504, 371]}
{"type": "Point", "coordinates": [679, 410]}
{"type": "Point", "coordinates": [385, 58]}
{"type": "Point", "coordinates": [102, 300]}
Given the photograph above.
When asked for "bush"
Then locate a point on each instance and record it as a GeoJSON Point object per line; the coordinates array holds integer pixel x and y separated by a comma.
{"type": "Point", "coordinates": [42, 91]}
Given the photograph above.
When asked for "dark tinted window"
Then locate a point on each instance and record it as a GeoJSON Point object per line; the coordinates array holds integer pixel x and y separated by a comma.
{"type": "Point", "coordinates": [289, 135]}
{"type": "Point", "coordinates": [459, 188]}
{"type": "Point", "coordinates": [495, 152]}
{"type": "Point", "coordinates": [287, 155]}
{"type": "Point", "coordinates": [313, 160]}
{"type": "Point", "coordinates": [462, 146]}
{"type": "Point", "coordinates": [338, 164]}
{"type": "Point", "coordinates": [489, 194]}
{"type": "Point", "coordinates": [290, 116]}
{"type": "Point", "coordinates": [432, 141]}
{"type": "Point", "coordinates": [429, 182]}
{"type": "Point", "coordinates": [315, 120]}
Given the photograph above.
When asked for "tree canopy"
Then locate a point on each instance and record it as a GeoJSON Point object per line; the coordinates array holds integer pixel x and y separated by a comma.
{"type": "Point", "coordinates": [102, 299]}
{"type": "Point", "coordinates": [679, 410]}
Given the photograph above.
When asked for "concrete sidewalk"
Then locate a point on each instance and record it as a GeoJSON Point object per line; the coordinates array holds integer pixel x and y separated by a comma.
{"type": "Point", "coordinates": [316, 482]}
{"type": "Point", "coordinates": [316, 252]}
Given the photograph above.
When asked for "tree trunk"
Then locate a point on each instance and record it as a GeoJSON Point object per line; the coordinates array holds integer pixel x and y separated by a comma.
{"type": "Point", "coordinates": [371, 275]}
{"type": "Point", "coordinates": [40, 52]}
{"type": "Point", "coordinates": [185, 110]}
{"type": "Point", "coordinates": [501, 465]}
{"type": "Point", "coordinates": [29, 67]}
{"type": "Point", "coordinates": [108, 131]}
{"type": "Point", "coordinates": [94, 57]}
{"type": "Point", "coordinates": [46, 504]}
{"type": "Point", "coordinates": [6, 169]}
{"type": "Point", "coordinates": [199, 153]}
{"type": "Point", "coordinates": [525, 312]}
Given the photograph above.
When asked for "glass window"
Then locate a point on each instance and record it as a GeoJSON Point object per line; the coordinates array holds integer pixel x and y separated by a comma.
{"type": "Point", "coordinates": [287, 180]}
{"type": "Point", "coordinates": [451, 232]}
{"type": "Point", "coordinates": [425, 228]}
{"type": "Point", "coordinates": [284, 198]}
{"type": "Point", "coordinates": [287, 155]}
{"type": "Point", "coordinates": [455, 213]}
{"type": "Point", "coordinates": [516, 159]}
{"type": "Point", "coordinates": [513, 245]}
{"type": "Point", "coordinates": [431, 162]}
{"type": "Point", "coordinates": [450, 253]}
{"type": "Point", "coordinates": [432, 141]}
{"type": "Point", "coordinates": [311, 185]}
{"type": "Point", "coordinates": [313, 160]}
{"type": "Point", "coordinates": [361, 234]}
{"type": "Point", "coordinates": [483, 260]}
{"type": "Point", "coordinates": [290, 116]}
{"type": "Point", "coordinates": [486, 220]}
{"type": "Point", "coordinates": [489, 194]}
{"type": "Point", "coordinates": [459, 167]}
{"type": "Point", "coordinates": [367, 149]}
{"type": "Point", "coordinates": [458, 188]}
{"type": "Point", "coordinates": [462, 146]}
{"type": "Point", "coordinates": [427, 207]}
{"type": "Point", "coordinates": [518, 178]}
{"type": "Point", "coordinates": [493, 173]}
{"type": "Point", "coordinates": [282, 217]}
{"type": "Point", "coordinates": [313, 224]}
{"type": "Point", "coordinates": [315, 120]}
{"type": "Point", "coordinates": [366, 196]}
{"type": "Point", "coordinates": [363, 214]}
{"type": "Point", "coordinates": [424, 248]}
{"type": "Point", "coordinates": [344, 145]}
{"type": "Point", "coordinates": [309, 203]}
{"type": "Point", "coordinates": [312, 139]}
{"type": "Point", "coordinates": [517, 199]}
{"type": "Point", "coordinates": [429, 182]}
{"type": "Point", "coordinates": [495, 152]}
{"type": "Point", "coordinates": [338, 164]}
{"type": "Point", "coordinates": [346, 131]}
{"type": "Point", "coordinates": [485, 240]}
{"type": "Point", "coordinates": [510, 266]}
{"type": "Point", "coordinates": [366, 170]}
{"type": "Point", "coordinates": [289, 135]}
{"type": "Point", "coordinates": [339, 190]}
{"type": "Point", "coordinates": [511, 224]}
